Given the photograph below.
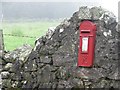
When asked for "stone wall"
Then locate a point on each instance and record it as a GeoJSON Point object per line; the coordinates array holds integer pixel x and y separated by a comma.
{"type": "Point", "coordinates": [52, 63]}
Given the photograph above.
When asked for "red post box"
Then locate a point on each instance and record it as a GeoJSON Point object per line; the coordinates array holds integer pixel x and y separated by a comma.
{"type": "Point", "coordinates": [86, 44]}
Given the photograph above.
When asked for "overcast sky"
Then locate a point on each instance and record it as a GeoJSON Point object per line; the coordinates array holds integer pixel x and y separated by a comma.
{"type": "Point", "coordinates": [49, 0]}
{"type": "Point", "coordinates": [111, 5]}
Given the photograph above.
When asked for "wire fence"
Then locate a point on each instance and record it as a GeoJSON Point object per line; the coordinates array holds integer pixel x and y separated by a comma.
{"type": "Point", "coordinates": [10, 42]}
{"type": "Point", "coordinates": [19, 36]}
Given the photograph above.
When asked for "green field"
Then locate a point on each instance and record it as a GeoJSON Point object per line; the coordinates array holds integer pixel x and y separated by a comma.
{"type": "Point", "coordinates": [34, 29]}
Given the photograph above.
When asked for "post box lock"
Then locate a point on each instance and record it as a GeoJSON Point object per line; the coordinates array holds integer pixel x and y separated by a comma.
{"type": "Point", "coordinates": [86, 44]}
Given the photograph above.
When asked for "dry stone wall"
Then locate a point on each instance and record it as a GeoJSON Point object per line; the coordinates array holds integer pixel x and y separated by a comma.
{"type": "Point", "coordinates": [52, 63]}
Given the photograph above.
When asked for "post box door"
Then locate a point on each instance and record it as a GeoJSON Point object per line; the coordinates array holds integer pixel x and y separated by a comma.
{"type": "Point", "coordinates": [86, 44]}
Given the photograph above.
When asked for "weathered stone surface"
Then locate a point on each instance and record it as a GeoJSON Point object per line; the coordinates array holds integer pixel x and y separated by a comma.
{"type": "Point", "coordinates": [96, 12]}
{"type": "Point", "coordinates": [84, 13]}
{"type": "Point", "coordinates": [45, 59]}
{"type": "Point", "coordinates": [30, 66]}
{"type": "Point", "coordinates": [21, 53]}
{"type": "Point", "coordinates": [6, 83]}
{"type": "Point", "coordinates": [52, 63]}
{"type": "Point", "coordinates": [76, 83]}
{"type": "Point", "coordinates": [5, 75]}
{"type": "Point", "coordinates": [59, 60]}
{"type": "Point", "coordinates": [64, 84]}
{"type": "Point", "coordinates": [8, 66]}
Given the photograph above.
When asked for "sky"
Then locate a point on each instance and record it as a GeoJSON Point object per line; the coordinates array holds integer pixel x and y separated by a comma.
{"type": "Point", "coordinates": [111, 5]}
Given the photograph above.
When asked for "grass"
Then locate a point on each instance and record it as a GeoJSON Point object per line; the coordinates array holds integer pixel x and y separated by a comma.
{"type": "Point", "coordinates": [34, 29]}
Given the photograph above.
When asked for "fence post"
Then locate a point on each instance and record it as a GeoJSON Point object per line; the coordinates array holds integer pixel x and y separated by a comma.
{"type": "Point", "coordinates": [1, 44]}
{"type": "Point", "coordinates": [1, 54]}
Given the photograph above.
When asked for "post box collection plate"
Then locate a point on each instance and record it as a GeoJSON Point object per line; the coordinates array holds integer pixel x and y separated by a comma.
{"type": "Point", "coordinates": [86, 44]}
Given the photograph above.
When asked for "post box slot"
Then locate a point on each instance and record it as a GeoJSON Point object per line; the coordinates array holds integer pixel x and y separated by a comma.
{"type": "Point", "coordinates": [85, 31]}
